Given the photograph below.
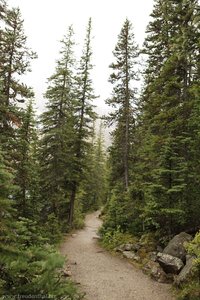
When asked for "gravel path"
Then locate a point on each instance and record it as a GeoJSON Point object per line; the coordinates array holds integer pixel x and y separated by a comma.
{"type": "Point", "coordinates": [106, 277]}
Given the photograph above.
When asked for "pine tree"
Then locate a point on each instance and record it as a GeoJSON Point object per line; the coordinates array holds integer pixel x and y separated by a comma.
{"type": "Point", "coordinates": [29, 266]}
{"type": "Point", "coordinates": [123, 100]}
{"type": "Point", "coordinates": [120, 207]}
{"type": "Point", "coordinates": [7, 223]}
{"type": "Point", "coordinates": [84, 125]}
{"type": "Point", "coordinates": [100, 169]}
{"type": "Point", "coordinates": [58, 133]}
{"type": "Point", "coordinates": [27, 174]}
{"type": "Point", "coordinates": [172, 46]}
{"type": "Point", "coordinates": [93, 188]}
{"type": "Point", "coordinates": [15, 59]}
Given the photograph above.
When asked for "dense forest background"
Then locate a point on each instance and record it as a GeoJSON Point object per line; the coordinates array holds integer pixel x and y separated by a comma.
{"type": "Point", "coordinates": [55, 169]}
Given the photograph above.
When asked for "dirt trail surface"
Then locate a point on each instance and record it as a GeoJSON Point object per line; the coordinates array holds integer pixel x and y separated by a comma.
{"type": "Point", "coordinates": [106, 277]}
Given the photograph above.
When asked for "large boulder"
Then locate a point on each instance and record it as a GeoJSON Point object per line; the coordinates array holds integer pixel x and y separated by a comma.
{"type": "Point", "coordinates": [186, 272]}
{"type": "Point", "coordinates": [156, 272]}
{"type": "Point", "coordinates": [169, 263]}
{"type": "Point", "coordinates": [176, 246]}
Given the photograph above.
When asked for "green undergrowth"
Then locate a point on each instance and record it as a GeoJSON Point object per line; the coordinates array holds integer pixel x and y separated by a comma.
{"type": "Point", "coordinates": [112, 238]}
{"type": "Point", "coordinates": [31, 265]}
{"type": "Point", "coordinates": [190, 290]}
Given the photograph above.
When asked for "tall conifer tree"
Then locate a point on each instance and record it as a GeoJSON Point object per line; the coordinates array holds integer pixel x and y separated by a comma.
{"type": "Point", "coordinates": [15, 59]}
{"type": "Point", "coordinates": [123, 100]}
{"type": "Point", "coordinates": [84, 125]}
{"type": "Point", "coordinates": [172, 46]}
{"type": "Point", "coordinates": [27, 167]}
{"type": "Point", "coordinates": [58, 133]}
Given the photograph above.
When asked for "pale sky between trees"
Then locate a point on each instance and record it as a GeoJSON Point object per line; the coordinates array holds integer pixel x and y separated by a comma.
{"type": "Point", "coordinates": [46, 22]}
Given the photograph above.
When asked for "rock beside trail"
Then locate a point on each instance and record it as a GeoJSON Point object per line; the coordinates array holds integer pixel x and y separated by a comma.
{"type": "Point", "coordinates": [186, 271]}
{"type": "Point", "coordinates": [156, 272]}
{"type": "Point", "coordinates": [131, 255]}
{"type": "Point", "coordinates": [128, 247]}
{"type": "Point", "coordinates": [159, 275]}
{"type": "Point", "coordinates": [169, 263]}
{"type": "Point", "coordinates": [164, 266]}
{"type": "Point", "coordinates": [105, 276]}
{"type": "Point", "coordinates": [176, 246]}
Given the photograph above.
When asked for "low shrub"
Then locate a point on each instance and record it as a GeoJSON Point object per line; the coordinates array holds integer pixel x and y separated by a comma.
{"type": "Point", "coordinates": [112, 238]}
{"type": "Point", "coordinates": [191, 289]}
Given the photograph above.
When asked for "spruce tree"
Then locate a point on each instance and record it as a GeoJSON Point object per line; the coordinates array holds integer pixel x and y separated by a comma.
{"type": "Point", "coordinates": [29, 266]}
{"type": "Point", "coordinates": [122, 151]}
{"type": "Point", "coordinates": [123, 100]}
{"type": "Point", "coordinates": [93, 188]}
{"type": "Point", "coordinates": [172, 46]}
{"type": "Point", "coordinates": [7, 224]}
{"type": "Point", "coordinates": [15, 59]}
{"type": "Point", "coordinates": [27, 166]}
{"type": "Point", "coordinates": [58, 133]}
{"type": "Point", "coordinates": [84, 125]}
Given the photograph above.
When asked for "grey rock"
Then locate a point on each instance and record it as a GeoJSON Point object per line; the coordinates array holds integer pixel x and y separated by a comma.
{"type": "Point", "coordinates": [128, 247]}
{"type": "Point", "coordinates": [186, 271]}
{"type": "Point", "coordinates": [136, 247]}
{"type": "Point", "coordinates": [131, 255]}
{"type": "Point", "coordinates": [169, 263]}
{"type": "Point", "coordinates": [123, 247]}
{"type": "Point", "coordinates": [148, 266]}
{"type": "Point", "coordinates": [156, 272]}
{"type": "Point", "coordinates": [159, 275]}
{"type": "Point", "coordinates": [176, 245]}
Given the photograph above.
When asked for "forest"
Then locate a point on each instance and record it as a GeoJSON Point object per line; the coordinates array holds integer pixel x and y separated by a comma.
{"type": "Point", "coordinates": [55, 167]}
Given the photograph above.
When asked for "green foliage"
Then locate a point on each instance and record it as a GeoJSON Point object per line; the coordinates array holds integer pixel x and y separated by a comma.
{"type": "Point", "coordinates": [66, 133]}
{"type": "Point", "coordinates": [111, 238]}
{"type": "Point", "coordinates": [78, 214]}
{"type": "Point", "coordinates": [193, 248]}
{"type": "Point", "coordinates": [191, 289]}
{"type": "Point", "coordinates": [29, 264]}
{"type": "Point", "coordinates": [166, 159]}
{"type": "Point", "coordinates": [124, 210]}
{"type": "Point", "coordinates": [35, 271]}
{"type": "Point", "coordinates": [85, 96]}
{"type": "Point", "coordinates": [53, 228]}
{"type": "Point", "coordinates": [93, 189]}
{"type": "Point", "coordinates": [164, 155]}
{"type": "Point", "coordinates": [123, 102]}
{"type": "Point", "coordinates": [27, 166]}
{"type": "Point", "coordinates": [151, 180]}
{"type": "Point", "coordinates": [57, 146]}
{"type": "Point", "coordinates": [15, 58]}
